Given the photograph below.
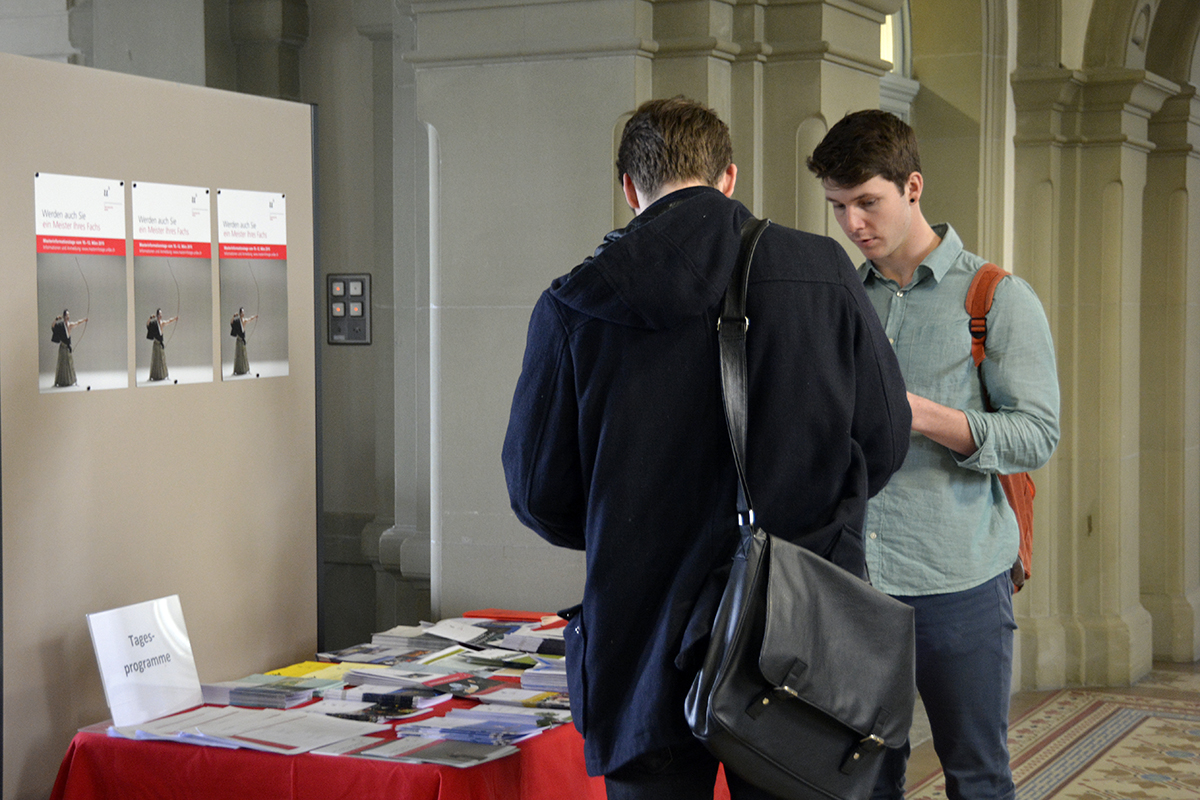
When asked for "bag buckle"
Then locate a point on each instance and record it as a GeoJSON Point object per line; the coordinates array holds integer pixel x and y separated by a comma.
{"type": "Point", "coordinates": [744, 322]}
{"type": "Point", "coordinates": [763, 700]}
{"type": "Point", "coordinates": [867, 745]}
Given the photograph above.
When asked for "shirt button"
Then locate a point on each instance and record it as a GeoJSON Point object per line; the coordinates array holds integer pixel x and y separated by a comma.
{"type": "Point", "coordinates": [873, 535]}
{"type": "Point", "coordinates": [900, 293]}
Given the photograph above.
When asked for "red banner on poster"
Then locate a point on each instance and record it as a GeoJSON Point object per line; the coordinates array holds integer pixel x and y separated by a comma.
{"type": "Point", "coordinates": [83, 245]}
{"type": "Point", "coordinates": [238, 250]}
{"type": "Point", "coordinates": [146, 247]}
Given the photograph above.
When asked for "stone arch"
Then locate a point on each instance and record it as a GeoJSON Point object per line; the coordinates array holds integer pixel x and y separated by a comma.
{"type": "Point", "coordinates": [1174, 42]}
{"type": "Point", "coordinates": [1117, 33]}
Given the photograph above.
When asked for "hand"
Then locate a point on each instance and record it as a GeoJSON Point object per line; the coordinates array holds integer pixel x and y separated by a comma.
{"type": "Point", "coordinates": [944, 425]}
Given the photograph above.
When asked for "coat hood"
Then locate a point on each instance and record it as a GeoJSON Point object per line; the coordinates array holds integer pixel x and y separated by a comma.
{"type": "Point", "coordinates": [672, 262]}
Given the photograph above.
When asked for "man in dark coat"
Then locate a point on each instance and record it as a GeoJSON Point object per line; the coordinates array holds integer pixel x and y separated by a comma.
{"type": "Point", "coordinates": [617, 444]}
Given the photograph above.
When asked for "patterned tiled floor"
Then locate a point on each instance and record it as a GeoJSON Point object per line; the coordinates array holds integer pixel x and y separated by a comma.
{"type": "Point", "coordinates": [1138, 743]}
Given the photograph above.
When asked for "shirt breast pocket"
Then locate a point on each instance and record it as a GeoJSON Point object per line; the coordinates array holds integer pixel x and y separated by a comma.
{"type": "Point", "coordinates": [935, 357]}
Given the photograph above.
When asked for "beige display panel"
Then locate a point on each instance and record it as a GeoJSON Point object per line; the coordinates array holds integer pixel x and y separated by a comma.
{"type": "Point", "coordinates": [125, 494]}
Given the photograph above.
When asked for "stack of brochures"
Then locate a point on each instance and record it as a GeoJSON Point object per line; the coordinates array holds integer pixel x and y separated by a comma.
{"type": "Point", "coordinates": [419, 750]}
{"type": "Point", "coordinates": [266, 691]}
{"type": "Point", "coordinates": [498, 658]}
{"type": "Point", "coordinates": [377, 654]}
{"type": "Point", "coordinates": [410, 637]}
{"type": "Point", "coordinates": [461, 684]}
{"type": "Point", "coordinates": [548, 675]}
{"type": "Point", "coordinates": [483, 724]}
{"type": "Point", "coordinates": [534, 638]}
{"type": "Point", "coordinates": [530, 698]}
{"type": "Point", "coordinates": [390, 696]}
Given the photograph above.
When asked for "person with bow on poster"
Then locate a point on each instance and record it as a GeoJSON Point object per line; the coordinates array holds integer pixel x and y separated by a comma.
{"type": "Point", "coordinates": [60, 334]}
{"type": "Point", "coordinates": [237, 329]}
{"type": "Point", "coordinates": [158, 352]}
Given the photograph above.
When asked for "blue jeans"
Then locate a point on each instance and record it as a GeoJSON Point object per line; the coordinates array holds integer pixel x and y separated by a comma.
{"type": "Point", "coordinates": [682, 773]}
{"type": "Point", "coordinates": [964, 676]}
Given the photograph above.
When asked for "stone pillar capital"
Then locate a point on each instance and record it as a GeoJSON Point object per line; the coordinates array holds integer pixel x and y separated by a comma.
{"type": "Point", "coordinates": [375, 19]}
{"type": "Point", "coordinates": [1175, 128]}
{"type": "Point", "coordinates": [884, 7]}
{"type": "Point", "coordinates": [1094, 106]}
{"type": "Point", "coordinates": [1041, 95]}
{"type": "Point", "coordinates": [1116, 105]}
{"type": "Point", "coordinates": [1133, 90]}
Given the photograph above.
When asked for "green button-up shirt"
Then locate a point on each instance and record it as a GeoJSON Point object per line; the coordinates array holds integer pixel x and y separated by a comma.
{"type": "Point", "coordinates": [943, 524]}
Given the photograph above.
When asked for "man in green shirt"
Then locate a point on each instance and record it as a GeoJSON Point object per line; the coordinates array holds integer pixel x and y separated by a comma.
{"type": "Point", "coordinates": [941, 535]}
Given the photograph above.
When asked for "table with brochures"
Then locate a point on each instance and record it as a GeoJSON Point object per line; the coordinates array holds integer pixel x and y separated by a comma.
{"type": "Point", "coordinates": [463, 709]}
{"type": "Point", "coordinates": [547, 767]}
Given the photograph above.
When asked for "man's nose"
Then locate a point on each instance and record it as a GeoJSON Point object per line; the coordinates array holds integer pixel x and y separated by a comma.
{"type": "Point", "coordinates": [854, 218]}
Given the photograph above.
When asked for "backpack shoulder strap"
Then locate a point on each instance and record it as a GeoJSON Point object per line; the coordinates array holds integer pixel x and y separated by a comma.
{"type": "Point", "coordinates": [979, 302]}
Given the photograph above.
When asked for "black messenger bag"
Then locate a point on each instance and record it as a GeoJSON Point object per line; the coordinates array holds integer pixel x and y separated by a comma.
{"type": "Point", "coordinates": [809, 673]}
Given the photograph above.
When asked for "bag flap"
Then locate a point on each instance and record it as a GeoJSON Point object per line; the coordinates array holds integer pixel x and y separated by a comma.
{"type": "Point", "coordinates": [838, 644]}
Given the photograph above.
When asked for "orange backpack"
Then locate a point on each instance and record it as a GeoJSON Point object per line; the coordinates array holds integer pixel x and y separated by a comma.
{"type": "Point", "coordinates": [1018, 487]}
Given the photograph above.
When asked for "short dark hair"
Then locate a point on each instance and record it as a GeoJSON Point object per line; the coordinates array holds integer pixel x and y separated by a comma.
{"type": "Point", "coordinates": [671, 140]}
{"type": "Point", "coordinates": [865, 144]}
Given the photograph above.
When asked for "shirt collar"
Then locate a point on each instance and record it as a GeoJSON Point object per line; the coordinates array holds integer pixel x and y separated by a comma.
{"type": "Point", "coordinates": [936, 264]}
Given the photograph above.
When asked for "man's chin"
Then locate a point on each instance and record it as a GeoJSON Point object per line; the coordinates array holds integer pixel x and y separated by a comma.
{"type": "Point", "coordinates": [869, 248]}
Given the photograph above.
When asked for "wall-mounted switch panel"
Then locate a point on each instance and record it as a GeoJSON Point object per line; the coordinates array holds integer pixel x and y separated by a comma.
{"type": "Point", "coordinates": [348, 308]}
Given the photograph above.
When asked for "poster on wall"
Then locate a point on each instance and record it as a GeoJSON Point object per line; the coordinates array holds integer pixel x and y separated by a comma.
{"type": "Point", "coordinates": [252, 250]}
{"type": "Point", "coordinates": [80, 233]}
{"type": "Point", "coordinates": [172, 283]}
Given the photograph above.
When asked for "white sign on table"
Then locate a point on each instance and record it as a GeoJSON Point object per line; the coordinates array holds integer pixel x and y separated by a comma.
{"type": "Point", "coordinates": [145, 660]}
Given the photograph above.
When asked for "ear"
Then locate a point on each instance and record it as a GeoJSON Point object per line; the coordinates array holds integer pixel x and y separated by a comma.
{"type": "Point", "coordinates": [914, 186]}
{"type": "Point", "coordinates": [631, 195]}
{"type": "Point", "coordinates": [727, 180]}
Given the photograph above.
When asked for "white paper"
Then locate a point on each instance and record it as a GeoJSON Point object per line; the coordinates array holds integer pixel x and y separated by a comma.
{"type": "Point", "coordinates": [145, 660]}
{"type": "Point", "coordinates": [298, 732]}
{"type": "Point", "coordinates": [460, 631]}
{"type": "Point", "coordinates": [328, 706]}
{"type": "Point", "coordinates": [175, 728]}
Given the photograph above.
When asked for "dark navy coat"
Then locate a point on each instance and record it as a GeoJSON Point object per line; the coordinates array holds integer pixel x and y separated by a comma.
{"type": "Point", "coordinates": [617, 443]}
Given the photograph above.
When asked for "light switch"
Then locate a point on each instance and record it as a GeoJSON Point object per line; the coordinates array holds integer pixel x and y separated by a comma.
{"type": "Point", "coordinates": [349, 321]}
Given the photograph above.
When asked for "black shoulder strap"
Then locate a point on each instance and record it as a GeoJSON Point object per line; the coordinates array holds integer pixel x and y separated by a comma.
{"type": "Point", "coordinates": [731, 335]}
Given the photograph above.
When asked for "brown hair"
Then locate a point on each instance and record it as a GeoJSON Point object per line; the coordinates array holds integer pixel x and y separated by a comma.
{"type": "Point", "coordinates": [865, 144]}
{"type": "Point", "coordinates": [672, 140]}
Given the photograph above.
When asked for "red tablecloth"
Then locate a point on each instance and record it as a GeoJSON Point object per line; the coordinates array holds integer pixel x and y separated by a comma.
{"type": "Point", "coordinates": [98, 767]}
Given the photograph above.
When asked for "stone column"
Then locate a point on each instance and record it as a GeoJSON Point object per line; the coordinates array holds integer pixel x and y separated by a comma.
{"type": "Point", "coordinates": [1111, 631]}
{"type": "Point", "coordinates": [1042, 98]}
{"type": "Point", "coordinates": [268, 35]}
{"type": "Point", "coordinates": [42, 29]}
{"type": "Point", "coordinates": [820, 61]}
{"type": "Point", "coordinates": [1081, 156]}
{"type": "Point", "coordinates": [396, 541]}
{"type": "Point", "coordinates": [1170, 376]}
